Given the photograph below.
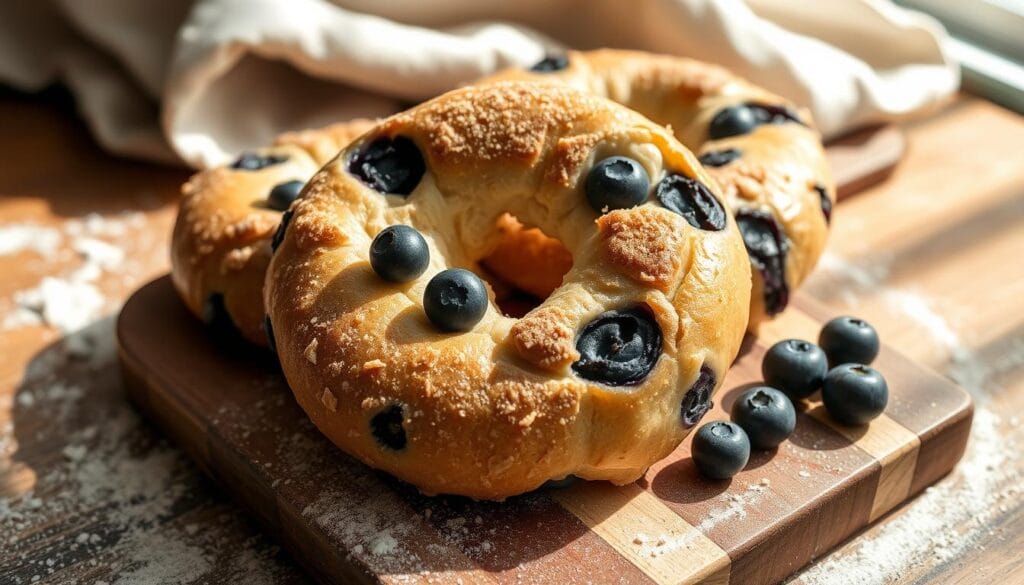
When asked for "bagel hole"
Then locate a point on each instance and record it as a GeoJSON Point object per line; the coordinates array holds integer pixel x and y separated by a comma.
{"type": "Point", "coordinates": [524, 267]}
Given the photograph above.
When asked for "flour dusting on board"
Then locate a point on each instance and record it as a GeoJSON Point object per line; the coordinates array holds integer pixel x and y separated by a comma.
{"type": "Point", "coordinates": [114, 507]}
{"type": "Point", "coordinates": [950, 517]}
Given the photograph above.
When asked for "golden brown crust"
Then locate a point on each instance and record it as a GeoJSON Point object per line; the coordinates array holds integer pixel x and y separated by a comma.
{"type": "Point", "coordinates": [780, 166]}
{"type": "Point", "coordinates": [221, 241]}
{"type": "Point", "coordinates": [497, 410]}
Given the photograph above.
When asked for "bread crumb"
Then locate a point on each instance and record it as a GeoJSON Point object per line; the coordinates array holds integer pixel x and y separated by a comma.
{"type": "Point", "coordinates": [329, 400]}
{"type": "Point", "coordinates": [310, 351]}
{"type": "Point", "coordinates": [528, 419]}
{"type": "Point", "coordinates": [373, 365]}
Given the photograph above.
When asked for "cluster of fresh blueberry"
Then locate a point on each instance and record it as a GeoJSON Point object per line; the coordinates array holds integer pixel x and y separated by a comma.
{"type": "Point", "coordinates": [454, 299]}
{"type": "Point", "coordinates": [763, 417]}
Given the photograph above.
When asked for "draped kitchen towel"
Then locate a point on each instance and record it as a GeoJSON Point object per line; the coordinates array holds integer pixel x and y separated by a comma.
{"type": "Point", "coordinates": [196, 81]}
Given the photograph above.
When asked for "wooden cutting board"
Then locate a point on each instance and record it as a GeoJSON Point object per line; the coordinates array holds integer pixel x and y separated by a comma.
{"type": "Point", "coordinates": [231, 410]}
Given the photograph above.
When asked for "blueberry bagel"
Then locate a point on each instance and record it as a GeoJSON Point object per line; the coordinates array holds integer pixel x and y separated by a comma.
{"type": "Point", "coordinates": [221, 243]}
{"type": "Point", "coordinates": [397, 350]}
{"type": "Point", "coordinates": [761, 150]}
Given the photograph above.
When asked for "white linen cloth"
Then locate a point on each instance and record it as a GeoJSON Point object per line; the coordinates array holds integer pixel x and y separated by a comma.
{"type": "Point", "coordinates": [196, 81]}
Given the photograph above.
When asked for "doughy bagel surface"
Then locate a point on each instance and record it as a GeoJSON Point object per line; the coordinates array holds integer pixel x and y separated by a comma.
{"type": "Point", "coordinates": [781, 173]}
{"type": "Point", "coordinates": [220, 247]}
{"type": "Point", "coordinates": [498, 410]}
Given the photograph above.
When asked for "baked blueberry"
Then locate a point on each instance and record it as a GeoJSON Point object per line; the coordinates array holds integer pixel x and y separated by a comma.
{"type": "Point", "coordinates": [849, 340]}
{"type": "Point", "coordinates": [399, 254]}
{"type": "Point", "coordinates": [795, 366]}
{"type": "Point", "coordinates": [551, 63]}
{"type": "Point", "coordinates": [697, 400]}
{"type": "Point", "coordinates": [387, 427]}
{"type": "Point", "coordinates": [719, 158]}
{"type": "Point", "coordinates": [767, 416]}
{"type": "Point", "coordinates": [692, 200]}
{"type": "Point", "coordinates": [854, 393]}
{"type": "Point", "coordinates": [268, 330]}
{"type": "Point", "coordinates": [389, 165]}
{"type": "Point", "coordinates": [743, 118]}
{"type": "Point", "coordinates": [215, 314]}
{"type": "Point", "coordinates": [616, 182]}
{"type": "Point", "coordinates": [619, 347]}
{"type": "Point", "coordinates": [251, 161]}
{"type": "Point", "coordinates": [826, 203]}
{"type": "Point", "coordinates": [283, 194]}
{"type": "Point", "coordinates": [720, 449]}
{"type": "Point", "coordinates": [767, 249]}
{"type": "Point", "coordinates": [286, 218]}
{"type": "Point", "coordinates": [455, 300]}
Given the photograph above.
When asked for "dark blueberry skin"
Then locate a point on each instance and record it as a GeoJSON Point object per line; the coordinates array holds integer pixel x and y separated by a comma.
{"type": "Point", "coordinates": [849, 340]}
{"type": "Point", "coordinates": [697, 400]}
{"type": "Point", "coordinates": [795, 366]}
{"type": "Point", "coordinates": [455, 300]}
{"type": "Point", "coordinates": [387, 428]}
{"type": "Point", "coordinates": [616, 182]}
{"type": "Point", "coordinates": [767, 249]}
{"type": "Point", "coordinates": [692, 200]}
{"type": "Point", "coordinates": [215, 314]}
{"type": "Point", "coordinates": [767, 416]}
{"type": "Point", "coordinates": [282, 227]}
{"type": "Point", "coordinates": [719, 158]}
{"type": "Point", "coordinates": [854, 394]}
{"type": "Point", "coordinates": [268, 330]}
{"type": "Point", "coordinates": [720, 449]}
{"type": "Point", "coordinates": [551, 63]}
{"type": "Point", "coordinates": [826, 203]}
{"type": "Point", "coordinates": [399, 254]}
{"type": "Point", "coordinates": [250, 161]}
{"type": "Point", "coordinates": [283, 194]}
{"type": "Point", "coordinates": [743, 118]}
{"type": "Point", "coordinates": [389, 165]}
{"type": "Point", "coordinates": [619, 347]}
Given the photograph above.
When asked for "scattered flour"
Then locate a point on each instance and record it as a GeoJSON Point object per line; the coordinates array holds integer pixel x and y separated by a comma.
{"type": "Point", "coordinates": [736, 506]}
{"type": "Point", "coordinates": [118, 505]}
{"type": "Point", "coordinates": [16, 238]}
{"type": "Point", "coordinates": [949, 518]}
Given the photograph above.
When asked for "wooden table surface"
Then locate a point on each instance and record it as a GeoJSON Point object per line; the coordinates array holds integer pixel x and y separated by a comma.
{"type": "Point", "coordinates": [934, 257]}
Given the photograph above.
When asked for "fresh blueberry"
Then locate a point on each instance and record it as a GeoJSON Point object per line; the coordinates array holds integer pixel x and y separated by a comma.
{"type": "Point", "coordinates": [692, 200]}
{"type": "Point", "coordinates": [268, 330]}
{"type": "Point", "coordinates": [399, 254]}
{"type": "Point", "coordinates": [551, 63]}
{"type": "Point", "coordinates": [283, 194]}
{"type": "Point", "coordinates": [719, 158]}
{"type": "Point", "coordinates": [854, 393]}
{"type": "Point", "coordinates": [286, 218]}
{"type": "Point", "coordinates": [215, 313]}
{"type": "Point", "coordinates": [697, 400]}
{"type": "Point", "coordinates": [767, 416]}
{"type": "Point", "coordinates": [849, 340]}
{"type": "Point", "coordinates": [619, 347]}
{"type": "Point", "coordinates": [617, 182]}
{"type": "Point", "coordinates": [251, 161]}
{"type": "Point", "coordinates": [743, 118]}
{"type": "Point", "coordinates": [767, 249]}
{"type": "Point", "coordinates": [720, 449]}
{"type": "Point", "coordinates": [795, 366]}
{"type": "Point", "coordinates": [389, 165]}
{"type": "Point", "coordinates": [455, 300]}
{"type": "Point", "coordinates": [387, 428]}
{"type": "Point", "coordinates": [826, 202]}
